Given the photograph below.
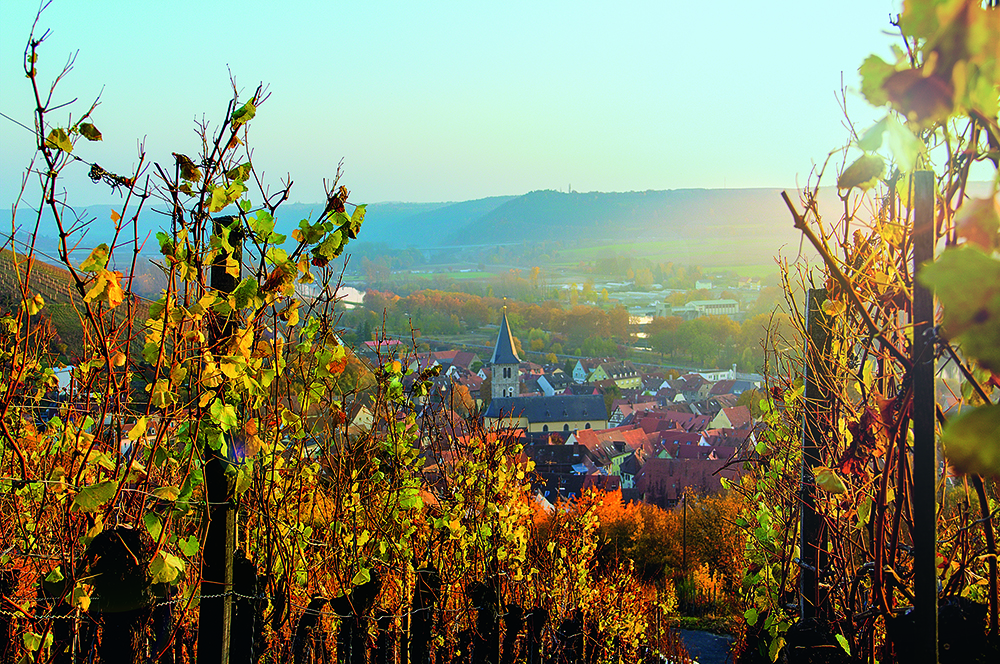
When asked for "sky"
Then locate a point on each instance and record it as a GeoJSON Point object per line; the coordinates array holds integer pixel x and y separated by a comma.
{"type": "Point", "coordinates": [449, 101]}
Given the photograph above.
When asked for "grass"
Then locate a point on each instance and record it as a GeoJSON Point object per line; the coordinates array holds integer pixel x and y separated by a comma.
{"type": "Point", "coordinates": [759, 270]}
{"type": "Point", "coordinates": [728, 625]}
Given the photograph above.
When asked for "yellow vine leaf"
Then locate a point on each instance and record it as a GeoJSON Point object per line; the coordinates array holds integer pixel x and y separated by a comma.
{"type": "Point", "coordinates": [138, 430]}
{"type": "Point", "coordinates": [107, 288]}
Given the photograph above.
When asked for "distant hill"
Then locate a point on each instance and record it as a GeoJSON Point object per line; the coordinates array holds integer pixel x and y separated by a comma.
{"type": "Point", "coordinates": [395, 224]}
{"type": "Point", "coordinates": [659, 215]}
{"type": "Point", "coordinates": [703, 226]}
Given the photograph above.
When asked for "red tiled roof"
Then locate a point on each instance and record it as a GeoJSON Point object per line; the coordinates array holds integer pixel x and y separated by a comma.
{"type": "Point", "coordinates": [739, 416]}
{"type": "Point", "coordinates": [664, 480]}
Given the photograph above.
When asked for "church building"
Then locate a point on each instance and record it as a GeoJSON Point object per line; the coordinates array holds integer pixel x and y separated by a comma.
{"type": "Point", "coordinates": [562, 413]}
{"type": "Point", "coordinates": [505, 363]}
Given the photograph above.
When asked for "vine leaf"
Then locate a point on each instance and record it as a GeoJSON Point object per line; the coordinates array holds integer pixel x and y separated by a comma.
{"type": "Point", "coordinates": [59, 139]}
{"type": "Point", "coordinates": [138, 430]}
{"type": "Point", "coordinates": [978, 221]}
{"type": "Point", "coordinates": [92, 497]}
{"type": "Point", "coordinates": [864, 173]}
{"type": "Point", "coordinates": [967, 283]}
{"type": "Point", "coordinates": [165, 568]}
{"type": "Point", "coordinates": [362, 577]}
{"type": "Point", "coordinates": [874, 70]}
{"type": "Point", "coordinates": [919, 96]}
{"type": "Point", "coordinates": [828, 480]}
{"type": "Point", "coordinates": [35, 304]}
{"type": "Point", "coordinates": [153, 525]}
{"type": "Point", "coordinates": [244, 114]}
{"type": "Point", "coordinates": [189, 171]}
{"type": "Point", "coordinates": [97, 260]}
{"type": "Point", "coordinates": [107, 288]}
{"type": "Point", "coordinates": [188, 547]}
{"type": "Point", "coordinates": [971, 443]}
{"type": "Point", "coordinates": [90, 132]}
{"type": "Point", "coordinates": [903, 144]}
{"type": "Point", "coordinates": [169, 493]}
{"type": "Point", "coordinates": [161, 395]}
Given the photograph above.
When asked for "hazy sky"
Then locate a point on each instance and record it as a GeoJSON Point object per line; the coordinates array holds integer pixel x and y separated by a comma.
{"type": "Point", "coordinates": [438, 101]}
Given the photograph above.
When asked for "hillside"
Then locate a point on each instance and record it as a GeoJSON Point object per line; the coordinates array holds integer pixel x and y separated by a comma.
{"type": "Point", "coordinates": [61, 301]}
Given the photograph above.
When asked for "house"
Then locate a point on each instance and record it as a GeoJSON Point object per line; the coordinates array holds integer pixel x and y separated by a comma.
{"type": "Point", "coordinates": [689, 385]}
{"type": "Point", "coordinates": [555, 488]}
{"type": "Point", "coordinates": [559, 459]}
{"type": "Point", "coordinates": [724, 386]}
{"type": "Point", "coordinates": [628, 469]}
{"type": "Point", "coordinates": [620, 410]}
{"type": "Point", "coordinates": [553, 383]}
{"type": "Point", "coordinates": [622, 373]}
{"type": "Point", "coordinates": [609, 447]}
{"type": "Point", "coordinates": [665, 420]}
{"type": "Point", "coordinates": [584, 368]}
{"type": "Point", "coordinates": [603, 482]}
{"type": "Point", "coordinates": [653, 381]}
{"type": "Point", "coordinates": [543, 414]}
{"type": "Point", "coordinates": [737, 417]}
{"type": "Point", "coordinates": [465, 360]}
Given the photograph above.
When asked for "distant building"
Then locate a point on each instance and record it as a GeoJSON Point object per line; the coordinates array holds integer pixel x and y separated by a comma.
{"type": "Point", "coordinates": [540, 414]}
{"type": "Point", "coordinates": [505, 363]}
{"type": "Point", "coordinates": [697, 308]}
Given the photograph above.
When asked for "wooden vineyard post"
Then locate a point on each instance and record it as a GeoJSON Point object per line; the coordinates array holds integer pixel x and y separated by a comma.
{"type": "Point", "coordinates": [925, 467]}
{"type": "Point", "coordinates": [811, 526]}
{"type": "Point", "coordinates": [216, 609]}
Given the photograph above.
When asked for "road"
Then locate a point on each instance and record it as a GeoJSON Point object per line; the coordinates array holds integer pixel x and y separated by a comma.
{"type": "Point", "coordinates": [706, 647]}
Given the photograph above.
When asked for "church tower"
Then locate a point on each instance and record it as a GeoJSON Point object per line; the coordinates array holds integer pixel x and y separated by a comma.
{"type": "Point", "coordinates": [505, 363]}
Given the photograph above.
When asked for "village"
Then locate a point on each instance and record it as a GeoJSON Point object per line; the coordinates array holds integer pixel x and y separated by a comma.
{"type": "Point", "coordinates": [591, 423]}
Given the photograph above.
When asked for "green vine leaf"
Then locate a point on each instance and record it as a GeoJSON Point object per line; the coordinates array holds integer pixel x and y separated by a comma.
{"type": "Point", "coordinates": [91, 498]}
{"type": "Point", "coordinates": [362, 577]}
{"type": "Point", "coordinates": [828, 480]}
{"type": "Point", "coordinates": [906, 148]}
{"type": "Point", "coordinates": [244, 114]}
{"type": "Point", "coordinates": [874, 70]}
{"type": "Point", "coordinates": [97, 260]}
{"type": "Point", "coordinates": [166, 568]}
{"type": "Point", "coordinates": [153, 525]}
{"type": "Point", "coordinates": [864, 173]}
{"type": "Point", "coordinates": [189, 547]}
{"type": "Point", "coordinates": [971, 443]}
{"type": "Point", "coordinates": [967, 282]}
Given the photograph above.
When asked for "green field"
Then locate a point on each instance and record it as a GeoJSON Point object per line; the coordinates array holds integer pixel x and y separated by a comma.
{"type": "Point", "coordinates": [450, 275]}
{"type": "Point", "coordinates": [748, 255]}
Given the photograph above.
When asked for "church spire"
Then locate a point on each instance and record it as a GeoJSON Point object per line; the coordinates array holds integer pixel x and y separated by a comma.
{"type": "Point", "coordinates": [504, 351]}
{"type": "Point", "coordinates": [505, 362]}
